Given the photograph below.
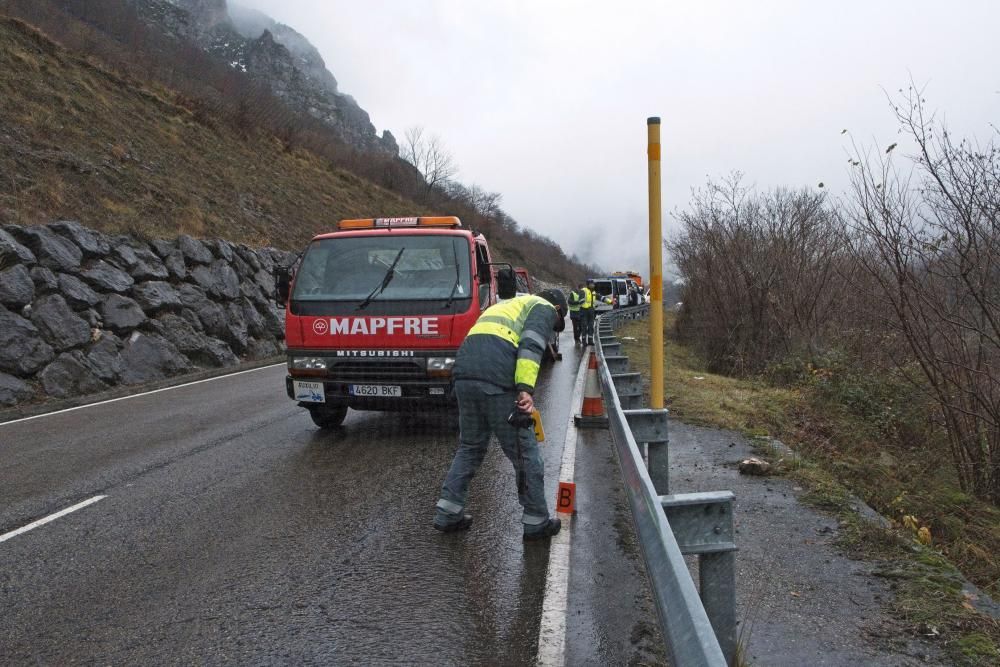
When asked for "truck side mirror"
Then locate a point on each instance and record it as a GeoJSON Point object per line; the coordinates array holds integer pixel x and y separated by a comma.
{"type": "Point", "coordinates": [506, 283]}
{"type": "Point", "coordinates": [282, 285]}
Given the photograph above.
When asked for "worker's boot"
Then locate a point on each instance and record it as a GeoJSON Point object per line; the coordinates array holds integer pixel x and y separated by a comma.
{"type": "Point", "coordinates": [542, 531]}
{"type": "Point", "coordinates": [449, 523]}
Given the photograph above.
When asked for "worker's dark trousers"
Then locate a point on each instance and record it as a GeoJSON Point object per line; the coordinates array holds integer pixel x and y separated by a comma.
{"type": "Point", "coordinates": [481, 414]}
{"type": "Point", "coordinates": [588, 316]}
{"type": "Point", "coordinates": [577, 319]}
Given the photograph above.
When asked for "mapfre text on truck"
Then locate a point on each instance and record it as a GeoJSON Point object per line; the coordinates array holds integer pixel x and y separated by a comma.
{"type": "Point", "coordinates": [375, 313]}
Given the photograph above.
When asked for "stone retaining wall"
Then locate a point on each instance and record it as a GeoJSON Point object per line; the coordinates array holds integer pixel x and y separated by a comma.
{"type": "Point", "coordinates": [81, 311]}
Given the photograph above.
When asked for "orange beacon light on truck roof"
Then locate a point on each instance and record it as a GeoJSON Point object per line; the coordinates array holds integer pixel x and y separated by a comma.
{"type": "Point", "coordinates": [389, 223]}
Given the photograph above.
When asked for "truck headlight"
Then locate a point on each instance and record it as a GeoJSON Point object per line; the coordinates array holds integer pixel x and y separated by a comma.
{"type": "Point", "coordinates": [307, 364]}
{"type": "Point", "coordinates": [440, 366]}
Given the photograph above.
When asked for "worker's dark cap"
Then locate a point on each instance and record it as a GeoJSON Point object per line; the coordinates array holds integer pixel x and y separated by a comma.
{"type": "Point", "coordinates": [555, 297]}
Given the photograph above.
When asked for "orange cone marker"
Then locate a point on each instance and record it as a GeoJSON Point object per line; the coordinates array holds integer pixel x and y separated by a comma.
{"type": "Point", "coordinates": [592, 412]}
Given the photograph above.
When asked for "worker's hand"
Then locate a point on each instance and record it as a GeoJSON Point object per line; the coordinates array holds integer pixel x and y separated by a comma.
{"type": "Point", "coordinates": [525, 403]}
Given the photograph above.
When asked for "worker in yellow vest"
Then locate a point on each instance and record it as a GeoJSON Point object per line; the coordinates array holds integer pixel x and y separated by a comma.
{"type": "Point", "coordinates": [495, 373]}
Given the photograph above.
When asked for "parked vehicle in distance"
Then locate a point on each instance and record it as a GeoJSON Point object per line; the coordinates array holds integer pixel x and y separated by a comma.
{"type": "Point", "coordinates": [376, 310]}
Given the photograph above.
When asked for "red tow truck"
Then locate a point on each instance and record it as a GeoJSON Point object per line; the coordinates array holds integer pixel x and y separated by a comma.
{"type": "Point", "coordinates": [375, 313]}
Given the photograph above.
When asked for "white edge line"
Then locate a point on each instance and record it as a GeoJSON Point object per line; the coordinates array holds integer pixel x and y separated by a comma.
{"type": "Point", "coordinates": [145, 393]}
{"type": "Point", "coordinates": [552, 629]}
{"type": "Point", "coordinates": [51, 517]}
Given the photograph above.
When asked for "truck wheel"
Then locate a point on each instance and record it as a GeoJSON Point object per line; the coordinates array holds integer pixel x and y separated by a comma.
{"type": "Point", "coordinates": [328, 416]}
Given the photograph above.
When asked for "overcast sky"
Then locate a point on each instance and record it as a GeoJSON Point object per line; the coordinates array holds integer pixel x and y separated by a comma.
{"type": "Point", "coordinates": [545, 101]}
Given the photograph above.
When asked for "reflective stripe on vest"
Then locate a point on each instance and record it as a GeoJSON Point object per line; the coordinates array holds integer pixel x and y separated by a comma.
{"type": "Point", "coordinates": [506, 319]}
{"type": "Point", "coordinates": [588, 299]}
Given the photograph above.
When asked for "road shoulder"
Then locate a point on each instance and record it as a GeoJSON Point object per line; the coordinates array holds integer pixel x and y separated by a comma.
{"type": "Point", "coordinates": [800, 600]}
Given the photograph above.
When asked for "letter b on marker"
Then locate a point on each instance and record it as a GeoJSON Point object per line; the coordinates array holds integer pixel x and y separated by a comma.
{"type": "Point", "coordinates": [566, 498]}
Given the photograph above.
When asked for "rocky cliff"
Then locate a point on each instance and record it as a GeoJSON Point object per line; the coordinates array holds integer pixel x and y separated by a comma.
{"type": "Point", "coordinates": [81, 311]}
{"type": "Point", "coordinates": [271, 54]}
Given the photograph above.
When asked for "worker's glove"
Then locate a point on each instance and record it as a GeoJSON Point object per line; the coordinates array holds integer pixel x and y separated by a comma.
{"type": "Point", "coordinates": [519, 419]}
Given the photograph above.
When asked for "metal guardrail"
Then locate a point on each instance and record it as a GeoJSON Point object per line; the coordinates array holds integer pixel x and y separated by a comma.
{"type": "Point", "coordinates": [699, 629]}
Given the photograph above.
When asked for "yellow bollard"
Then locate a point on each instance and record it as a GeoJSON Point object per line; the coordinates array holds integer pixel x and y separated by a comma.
{"type": "Point", "coordinates": [655, 267]}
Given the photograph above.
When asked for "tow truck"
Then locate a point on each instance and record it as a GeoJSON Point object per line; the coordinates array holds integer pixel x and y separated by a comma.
{"type": "Point", "coordinates": [376, 310]}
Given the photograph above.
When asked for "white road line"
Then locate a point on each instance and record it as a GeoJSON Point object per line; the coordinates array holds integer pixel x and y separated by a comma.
{"type": "Point", "coordinates": [51, 517]}
{"type": "Point", "coordinates": [552, 631]}
{"type": "Point", "coordinates": [145, 393]}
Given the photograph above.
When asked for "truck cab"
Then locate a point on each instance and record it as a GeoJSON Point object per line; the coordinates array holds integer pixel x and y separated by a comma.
{"type": "Point", "coordinates": [375, 313]}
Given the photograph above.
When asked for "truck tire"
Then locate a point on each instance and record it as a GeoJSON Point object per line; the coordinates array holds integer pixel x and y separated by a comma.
{"type": "Point", "coordinates": [328, 416]}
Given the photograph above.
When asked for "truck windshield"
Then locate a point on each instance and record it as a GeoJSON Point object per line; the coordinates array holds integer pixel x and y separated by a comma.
{"type": "Point", "coordinates": [349, 269]}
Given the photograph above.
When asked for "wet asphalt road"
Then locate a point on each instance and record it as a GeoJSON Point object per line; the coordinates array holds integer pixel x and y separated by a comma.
{"type": "Point", "coordinates": [234, 531]}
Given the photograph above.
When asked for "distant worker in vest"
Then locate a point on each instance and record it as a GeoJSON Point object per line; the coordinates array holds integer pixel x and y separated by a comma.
{"type": "Point", "coordinates": [495, 373]}
{"type": "Point", "coordinates": [587, 312]}
{"type": "Point", "coordinates": [575, 316]}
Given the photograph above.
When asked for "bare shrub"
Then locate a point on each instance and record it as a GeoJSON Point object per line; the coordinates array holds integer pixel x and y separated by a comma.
{"type": "Point", "coordinates": [760, 273]}
{"type": "Point", "coordinates": [928, 238]}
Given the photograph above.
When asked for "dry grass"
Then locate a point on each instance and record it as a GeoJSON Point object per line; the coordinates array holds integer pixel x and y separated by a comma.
{"type": "Point", "coordinates": [81, 143]}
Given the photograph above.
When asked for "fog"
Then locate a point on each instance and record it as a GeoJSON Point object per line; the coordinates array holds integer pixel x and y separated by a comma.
{"type": "Point", "coordinates": [546, 102]}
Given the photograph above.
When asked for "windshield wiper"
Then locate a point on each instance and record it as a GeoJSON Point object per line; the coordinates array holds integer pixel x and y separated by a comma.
{"type": "Point", "coordinates": [386, 279]}
{"type": "Point", "coordinates": [458, 276]}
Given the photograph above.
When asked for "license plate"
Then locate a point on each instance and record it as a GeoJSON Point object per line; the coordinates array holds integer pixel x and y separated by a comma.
{"type": "Point", "coordinates": [309, 392]}
{"type": "Point", "coordinates": [375, 390]}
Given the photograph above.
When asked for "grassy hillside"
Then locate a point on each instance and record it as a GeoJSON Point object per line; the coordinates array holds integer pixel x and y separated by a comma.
{"type": "Point", "coordinates": [79, 142]}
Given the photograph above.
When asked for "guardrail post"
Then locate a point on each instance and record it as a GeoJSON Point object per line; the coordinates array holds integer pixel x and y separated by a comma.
{"type": "Point", "coordinates": [629, 388]}
{"type": "Point", "coordinates": [617, 364]}
{"type": "Point", "coordinates": [703, 525]}
{"type": "Point", "coordinates": [717, 584]}
{"type": "Point", "coordinates": [649, 427]}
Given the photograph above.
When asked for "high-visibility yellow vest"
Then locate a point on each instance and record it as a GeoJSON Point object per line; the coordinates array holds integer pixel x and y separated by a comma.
{"type": "Point", "coordinates": [575, 300]}
{"type": "Point", "coordinates": [506, 320]}
{"type": "Point", "coordinates": [588, 299]}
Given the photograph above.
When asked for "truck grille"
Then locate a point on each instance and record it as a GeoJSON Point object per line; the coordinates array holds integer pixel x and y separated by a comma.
{"type": "Point", "coordinates": [377, 370]}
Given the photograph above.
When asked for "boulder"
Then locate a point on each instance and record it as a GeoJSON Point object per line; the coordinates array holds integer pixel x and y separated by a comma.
{"type": "Point", "coordinates": [256, 326]}
{"type": "Point", "coordinates": [156, 295]}
{"type": "Point", "coordinates": [262, 349]}
{"type": "Point", "coordinates": [13, 390]}
{"type": "Point", "coordinates": [70, 375]}
{"type": "Point", "coordinates": [136, 257]}
{"type": "Point", "coordinates": [242, 269]}
{"type": "Point", "coordinates": [16, 287]}
{"type": "Point", "coordinates": [250, 290]}
{"type": "Point", "coordinates": [274, 320]}
{"type": "Point", "coordinates": [51, 250]}
{"type": "Point", "coordinates": [211, 315]}
{"type": "Point", "coordinates": [220, 248]}
{"type": "Point", "coordinates": [219, 280]}
{"type": "Point", "coordinates": [192, 319]}
{"type": "Point", "coordinates": [105, 357]}
{"type": "Point", "coordinates": [235, 328]}
{"type": "Point", "coordinates": [754, 466]}
{"type": "Point", "coordinates": [92, 243]}
{"type": "Point", "coordinates": [249, 256]}
{"type": "Point", "coordinates": [106, 278]}
{"type": "Point", "coordinates": [12, 252]}
{"type": "Point", "coordinates": [214, 354]}
{"type": "Point", "coordinates": [45, 281]}
{"type": "Point", "coordinates": [149, 357]}
{"type": "Point", "coordinates": [200, 349]}
{"type": "Point", "coordinates": [121, 314]}
{"type": "Point", "coordinates": [174, 262]}
{"type": "Point", "coordinates": [163, 247]}
{"type": "Point", "coordinates": [194, 251]}
{"type": "Point", "coordinates": [77, 293]}
{"type": "Point", "coordinates": [93, 319]}
{"type": "Point", "coordinates": [61, 328]}
{"type": "Point", "coordinates": [22, 350]}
